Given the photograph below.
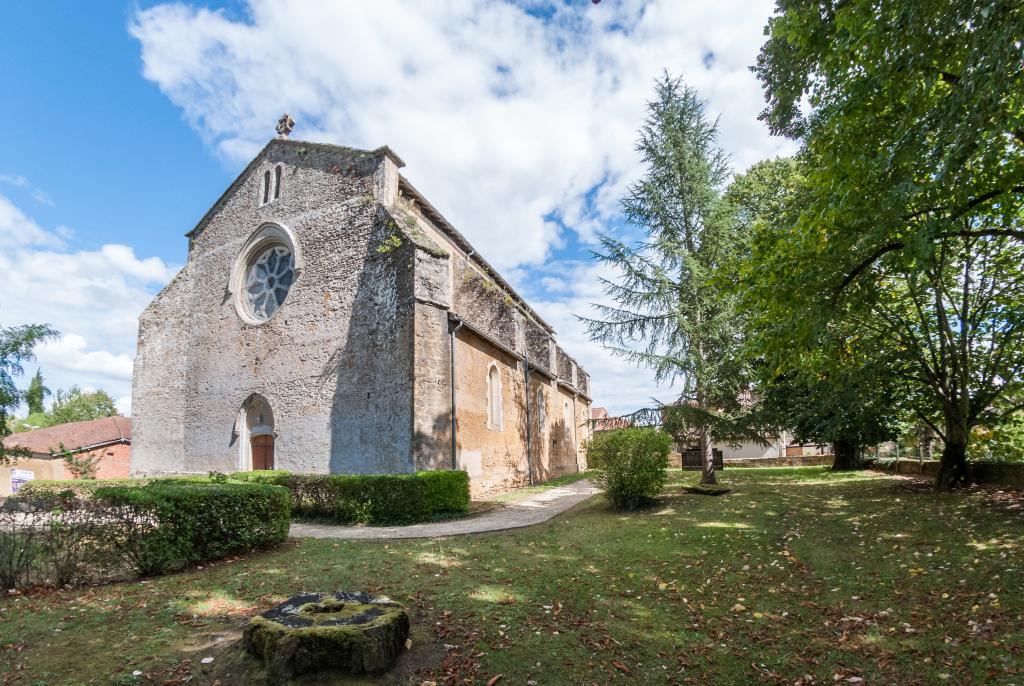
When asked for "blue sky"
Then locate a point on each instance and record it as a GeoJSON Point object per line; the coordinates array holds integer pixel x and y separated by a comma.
{"type": "Point", "coordinates": [126, 122]}
{"type": "Point", "coordinates": [108, 149]}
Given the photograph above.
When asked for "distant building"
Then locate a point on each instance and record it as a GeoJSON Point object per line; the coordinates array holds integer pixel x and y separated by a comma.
{"type": "Point", "coordinates": [109, 439]}
{"type": "Point", "coordinates": [602, 421]}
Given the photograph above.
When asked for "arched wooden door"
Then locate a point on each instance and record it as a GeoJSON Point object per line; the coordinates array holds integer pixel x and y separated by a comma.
{"type": "Point", "coordinates": [263, 452]}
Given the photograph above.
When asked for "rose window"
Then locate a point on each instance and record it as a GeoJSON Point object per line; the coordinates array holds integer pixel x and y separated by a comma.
{"type": "Point", "coordinates": [267, 281]}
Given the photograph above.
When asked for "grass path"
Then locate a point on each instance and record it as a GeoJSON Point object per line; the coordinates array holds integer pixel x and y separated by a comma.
{"type": "Point", "coordinates": [797, 576]}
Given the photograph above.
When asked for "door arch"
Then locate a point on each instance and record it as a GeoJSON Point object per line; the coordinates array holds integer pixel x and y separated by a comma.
{"type": "Point", "coordinates": [258, 435]}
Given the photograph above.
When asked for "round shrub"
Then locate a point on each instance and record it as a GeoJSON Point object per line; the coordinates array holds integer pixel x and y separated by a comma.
{"type": "Point", "coordinates": [630, 465]}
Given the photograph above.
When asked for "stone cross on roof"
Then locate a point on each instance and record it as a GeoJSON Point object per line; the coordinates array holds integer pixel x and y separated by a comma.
{"type": "Point", "coordinates": [285, 125]}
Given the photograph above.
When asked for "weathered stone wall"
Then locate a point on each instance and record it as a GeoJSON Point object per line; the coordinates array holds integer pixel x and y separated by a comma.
{"type": "Point", "coordinates": [158, 386]}
{"type": "Point", "coordinates": [495, 458]}
{"type": "Point", "coordinates": [554, 452]}
{"type": "Point", "coordinates": [480, 301]}
{"type": "Point", "coordinates": [564, 365]}
{"type": "Point", "coordinates": [432, 420]}
{"type": "Point", "coordinates": [1003, 473]}
{"type": "Point", "coordinates": [791, 461]}
{"type": "Point", "coordinates": [584, 429]}
{"type": "Point", "coordinates": [583, 382]}
{"type": "Point", "coordinates": [334, 361]}
{"type": "Point", "coordinates": [539, 345]}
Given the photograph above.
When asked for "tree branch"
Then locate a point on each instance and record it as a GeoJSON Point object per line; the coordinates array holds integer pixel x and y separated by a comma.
{"type": "Point", "coordinates": [865, 264]}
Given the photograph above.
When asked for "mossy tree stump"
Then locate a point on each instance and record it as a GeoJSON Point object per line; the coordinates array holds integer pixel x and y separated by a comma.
{"type": "Point", "coordinates": [354, 632]}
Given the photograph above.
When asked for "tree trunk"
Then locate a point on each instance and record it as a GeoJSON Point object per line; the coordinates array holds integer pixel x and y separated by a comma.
{"type": "Point", "coordinates": [707, 458]}
{"type": "Point", "coordinates": [846, 456]}
{"type": "Point", "coordinates": [925, 438]}
{"type": "Point", "coordinates": [953, 471]}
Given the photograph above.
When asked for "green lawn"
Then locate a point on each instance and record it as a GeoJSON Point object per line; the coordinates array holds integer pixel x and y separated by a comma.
{"type": "Point", "coordinates": [795, 574]}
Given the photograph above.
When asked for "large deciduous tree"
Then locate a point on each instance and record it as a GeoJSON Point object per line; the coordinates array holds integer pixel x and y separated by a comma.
{"type": "Point", "coordinates": [835, 395]}
{"type": "Point", "coordinates": [76, 405]}
{"type": "Point", "coordinates": [910, 222]}
{"type": "Point", "coordinates": [674, 312]}
{"type": "Point", "coordinates": [837, 388]}
{"type": "Point", "coordinates": [16, 344]}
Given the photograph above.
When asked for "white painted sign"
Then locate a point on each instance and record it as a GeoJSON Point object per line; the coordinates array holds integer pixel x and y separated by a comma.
{"type": "Point", "coordinates": [19, 477]}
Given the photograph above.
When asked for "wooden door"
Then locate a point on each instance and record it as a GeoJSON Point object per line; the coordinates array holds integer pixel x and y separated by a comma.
{"type": "Point", "coordinates": [263, 452]}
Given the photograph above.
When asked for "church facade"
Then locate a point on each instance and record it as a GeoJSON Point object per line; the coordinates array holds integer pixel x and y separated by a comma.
{"type": "Point", "coordinates": [329, 320]}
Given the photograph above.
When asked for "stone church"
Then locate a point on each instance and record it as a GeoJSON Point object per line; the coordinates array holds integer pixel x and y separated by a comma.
{"type": "Point", "coordinates": [329, 320]}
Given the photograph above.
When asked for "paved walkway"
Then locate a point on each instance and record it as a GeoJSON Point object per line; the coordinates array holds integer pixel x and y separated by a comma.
{"type": "Point", "coordinates": [530, 510]}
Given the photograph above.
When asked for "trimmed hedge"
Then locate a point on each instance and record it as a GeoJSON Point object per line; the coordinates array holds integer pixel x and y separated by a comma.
{"type": "Point", "coordinates": [446, 491]}
{"type": "Point", "coordinates": [79, 488]}
{"type": "Point", "coordinates": [342, 498]}
{"type": "Point", "coordinates": [378, 498]}
{"type": "Point", "coordinates": [85, 488]}
{"type": "Point", "coordinates": [164, 525]}
{"type": "Point", "coordinates": [274, 477]}
{"type": "Point", "coordinates": [67, 533]}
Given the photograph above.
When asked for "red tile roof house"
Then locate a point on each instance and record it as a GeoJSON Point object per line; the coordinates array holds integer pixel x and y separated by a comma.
{"type": "Point", "coordinates": [109, 439]}
{"type": "Point", "coordinates": [604, 422]}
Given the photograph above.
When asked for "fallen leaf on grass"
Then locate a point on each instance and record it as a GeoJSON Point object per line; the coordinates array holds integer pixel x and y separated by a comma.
{"type": "Point", "coordinates": [621, 667]}
{"type": "Point", "coordinates": [494, 679]}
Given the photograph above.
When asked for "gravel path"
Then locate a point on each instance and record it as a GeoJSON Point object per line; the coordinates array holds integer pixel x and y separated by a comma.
{"type": "Point", "coordinates": [531, 510]}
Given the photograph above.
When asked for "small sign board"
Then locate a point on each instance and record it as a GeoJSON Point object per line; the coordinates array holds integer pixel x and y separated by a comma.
{"type": "Point", "coordinates": [19, 477]}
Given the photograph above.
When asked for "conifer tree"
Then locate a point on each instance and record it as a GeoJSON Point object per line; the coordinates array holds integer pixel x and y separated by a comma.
{"type": "Point", "coordinates": [673, 310]}
{"type": "Point", "coordinates": [36, 393]}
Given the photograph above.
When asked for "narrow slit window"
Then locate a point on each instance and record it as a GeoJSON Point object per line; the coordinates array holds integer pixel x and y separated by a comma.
{"type": "Point", "coordinates": [277, 182]}
{"type": "Point", "coordinates": [266, 187]}
{"type": "Point", "coordinates": [494, 398]}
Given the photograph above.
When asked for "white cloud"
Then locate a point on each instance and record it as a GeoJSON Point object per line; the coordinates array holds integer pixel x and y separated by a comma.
{"type": "Point", "coordinates": [69, 353]}
{"type": "Point", "coordinates": [92, 297]}
{"type": "Point", "coordinates": [18, 181]}
{"type": "Point", "coordinates": [505, 119]}
{"type": "Point", "coordinates": [17, 230]}
{"type": "Point", "coordinates": [554, 285]}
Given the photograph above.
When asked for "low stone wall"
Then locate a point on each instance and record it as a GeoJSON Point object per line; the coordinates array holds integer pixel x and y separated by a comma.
{"type": "Point", "coordinates": [790, 461]}
{"type": "Point", "coordinates": [674, 460]}
{"type": "Point", "coordinates": [1002, 473]}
